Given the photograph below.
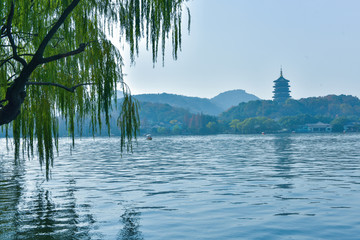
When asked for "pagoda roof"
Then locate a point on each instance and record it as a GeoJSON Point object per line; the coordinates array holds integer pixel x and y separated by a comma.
{"type": "Point", "coordinates": [283, 91]}
{"type": "Point", "coordinates": [281, 78]}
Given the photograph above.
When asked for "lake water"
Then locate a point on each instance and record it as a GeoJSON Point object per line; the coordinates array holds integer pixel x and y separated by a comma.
{"type": "Point", "coordinates": [299, 186]}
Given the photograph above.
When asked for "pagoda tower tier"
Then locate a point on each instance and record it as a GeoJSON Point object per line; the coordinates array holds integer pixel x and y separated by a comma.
{"type": "Point", "coordinates": [281, 89]}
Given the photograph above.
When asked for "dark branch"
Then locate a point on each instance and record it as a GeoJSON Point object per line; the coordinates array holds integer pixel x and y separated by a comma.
{"type": "Point", "coordinates": [53, 30]}
{"type": "Point", "coordinates": [13, 66]}
{"type": "Point", "coordinates": [15, 94]}
{"type": "Point", "coordinates": [3, 62]}
{"type": "Point", "coordinates": [11, 39]}
{"type": "Point", "coordinates": [3, 29]}
{"type": "Point", "coordinates": [27, 54]}
{"type": "Point", "coordinates": [9, 79]}
{"type": "Point", "coordinates": [59, 40]}
{"type": "Point", "coordinates": [64, 55]}
{"type": "Point", "coordinates": [8, 60]}
{"type": "Point", "coordinates": [71, 89]}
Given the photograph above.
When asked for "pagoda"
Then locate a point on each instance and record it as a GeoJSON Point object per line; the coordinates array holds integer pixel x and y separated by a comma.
{"type": "Point", "coordinates": [281, 89]}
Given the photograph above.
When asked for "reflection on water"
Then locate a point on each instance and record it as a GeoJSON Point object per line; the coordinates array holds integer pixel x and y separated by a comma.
{"type": "Point", "coordinates": [10, 192]}
{"type": "Point", "coordinates": [42, 218]}
{"type": "Point", "coordinates": [299, 186]}
{"type": "Point", "coordinates": [283, 150]}
{"type": "Point", "coordinates": [34, 215]}
{"type": "Point", "coordinates": [131, 230]}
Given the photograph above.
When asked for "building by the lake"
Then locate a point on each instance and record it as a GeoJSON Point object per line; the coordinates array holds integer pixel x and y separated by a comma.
{"type": "Point", "coordinates": [319, 127]}
{"type": "Point", "coordinates": [281, 89]}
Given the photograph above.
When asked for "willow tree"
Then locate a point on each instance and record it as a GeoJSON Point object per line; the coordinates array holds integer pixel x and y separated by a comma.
{"type": "Point", "coordinates": [56, 59]}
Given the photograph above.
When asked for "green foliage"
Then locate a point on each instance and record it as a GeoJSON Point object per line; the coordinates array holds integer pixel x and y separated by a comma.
{"type": "Point", "coordinates": [197, 123]}
{"type": "Point", "coordinates": [157, 112]}
{"type": "Point", "coordinates": [212, 126]}
{"type": "Point", "coordinates": [258, 125]}
{"type": "Point", "coordinates": [329, 106]}
{"type": "Point", "coordinates": [162, 130]}
{"type": "Point", "coordinates": [339, 123]}
{"type": "Point", "coordinates": [163, 119]}
{"type": "Point", "coordinates": [176, 129]}
{"type": "Point", "coordinates": [175, 120]}
{"type": "Point", "coordinates": [292, 123]}
{"type": "Point", "coordinates": [234, 124]}
{"type": "Point", "coordinates": [80, 69]}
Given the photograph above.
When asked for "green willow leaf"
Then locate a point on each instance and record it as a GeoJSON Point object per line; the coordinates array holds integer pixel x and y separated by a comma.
{"type": "Point", "coordinates": [82, 68]}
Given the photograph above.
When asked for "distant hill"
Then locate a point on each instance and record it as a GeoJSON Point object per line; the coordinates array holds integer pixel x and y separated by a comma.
{"type": "Point", "coordinates": [213, 106]}
{"type": "Point", "coordinates": [270, 116]}
{"type": "Point", "coordinates": [232, 98]}
{"type": "Point", "coordinates": [160, 118]}
{"type": "Point", "coordinates": [193, 104]}
{"type": "Point", "coordinates": [331, 106]}
{"type": "Point", "coordinates": [151, 113]}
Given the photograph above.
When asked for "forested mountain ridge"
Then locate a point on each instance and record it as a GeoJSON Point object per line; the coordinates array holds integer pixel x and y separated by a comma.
{"type": "Point", "coordinates": [160, 113]}
{"type": "Point", "coordinates": [193, 104]}
{"type": "Point", "coordinates": [253, 117]}
{"type": "Point", "coordinates": [331, 106]}
{"type": "Point", "coordinates": [265, 115]}
{"type": "Point", "coordinates": [213, 106]}
{"type": "Point", "coordinates": [155, 118]}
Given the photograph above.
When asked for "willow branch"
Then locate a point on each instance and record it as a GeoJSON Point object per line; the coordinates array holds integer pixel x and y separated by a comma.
{"type": "Point", "coordinates": [16, 94]}
{"type": "Point", "coordinates": [13, 66]}
{"type": "Point", "coordinates": [3, 29]}
{"type": "Point", "coordinates": [54, 29]}
{"type": "Point", "coordinates": [12, 76]}
{"type": "Point", "coordinates": [69, 89]}
{"type": "Point", "coordinates": [59, 40]}
{"type": "Point", "coordinates": [64, 55]}
{"type": "Point", "coordinates": [10, 37]}
{"type": "Point", "coordinates": [3, 62]}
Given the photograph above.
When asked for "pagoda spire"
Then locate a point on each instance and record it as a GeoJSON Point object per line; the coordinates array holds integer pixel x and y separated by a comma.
{"type": "Point", "coordinates": [281, 74]}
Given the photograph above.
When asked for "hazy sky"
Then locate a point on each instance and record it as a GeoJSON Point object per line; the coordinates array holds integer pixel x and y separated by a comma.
{"type": "Point", "coordinates": [241, 44]}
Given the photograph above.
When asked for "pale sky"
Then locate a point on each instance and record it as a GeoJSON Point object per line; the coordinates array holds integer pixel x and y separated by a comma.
{"type": "Point", "coordinates": [241, 44]}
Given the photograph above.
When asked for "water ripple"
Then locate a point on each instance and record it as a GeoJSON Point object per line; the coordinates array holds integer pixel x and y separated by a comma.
{"type": "Point", "coordinates": [189, 187]}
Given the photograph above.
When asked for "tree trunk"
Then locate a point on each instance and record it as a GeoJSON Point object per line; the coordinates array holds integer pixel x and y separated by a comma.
{"type": "Point", "coordinates": [15, 96]}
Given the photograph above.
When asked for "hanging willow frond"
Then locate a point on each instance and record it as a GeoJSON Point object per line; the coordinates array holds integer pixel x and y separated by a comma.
{"type": "Point", "coordinates": [128, 120]}
{"type": "Point", "coordinates": [57, 61]}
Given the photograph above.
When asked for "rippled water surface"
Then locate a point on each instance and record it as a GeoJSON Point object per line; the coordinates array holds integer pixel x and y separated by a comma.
{"type": "Point", "coordinates": [189, 187]}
